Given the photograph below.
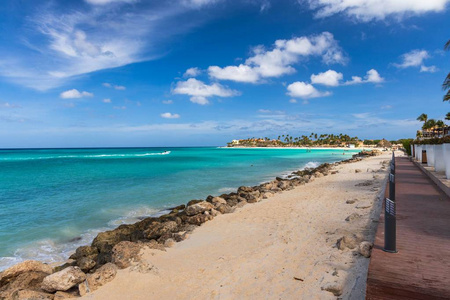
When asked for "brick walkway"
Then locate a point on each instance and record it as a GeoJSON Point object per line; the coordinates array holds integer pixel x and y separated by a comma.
{"type": "Point", "coordinates": [421, 268]}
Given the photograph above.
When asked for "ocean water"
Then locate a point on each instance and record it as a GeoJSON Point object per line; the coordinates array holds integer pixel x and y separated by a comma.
{"type": "Point", "coordinates": [52, 201]}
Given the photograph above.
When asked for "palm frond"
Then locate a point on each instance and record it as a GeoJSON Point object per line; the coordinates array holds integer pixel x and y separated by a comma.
{"type": "Point", "coordinates": [446, 83]}
{"type": "Point", "coordinates": [447, 96]}
{"type": "Point", "coordinates": [447, 45]}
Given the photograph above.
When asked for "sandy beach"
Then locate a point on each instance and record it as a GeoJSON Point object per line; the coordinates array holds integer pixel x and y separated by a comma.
{"type": "Point", "coordinates": [283, 247]}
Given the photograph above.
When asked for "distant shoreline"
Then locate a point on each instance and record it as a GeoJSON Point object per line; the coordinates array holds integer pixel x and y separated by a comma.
{"type": "Point", "coordinates": [302, 147]}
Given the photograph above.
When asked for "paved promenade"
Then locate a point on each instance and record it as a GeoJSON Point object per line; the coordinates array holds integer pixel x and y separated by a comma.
{"type": "Point", "coordinates": [421, 268]}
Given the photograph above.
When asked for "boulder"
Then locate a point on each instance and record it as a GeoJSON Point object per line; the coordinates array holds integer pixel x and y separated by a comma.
{"type": "Point", "coordinates": [169, 243]}
{"type": "Point", "coordinates": [357, 170]}
{"type": "Point", "coordinates": [349, 241]}
{"type": "Point", "coordinates": [124, 253]}
{"type": "Point", "coordinates": [198, 219]}
{"type": "Point", "coordinates": [31, 295]}
{"type": "Point", "coordinates": [24, 281]}
{"type": "Point", "coordinates": [225, 209]}
{"type": "Point", "coordinates": [351, 201]}
{"type": "Point", "coordinates": [217, 201]}
{"type": "Point", "coordinates": [285, 184]}
{"type": "Point", "coordinates": [179, 236]}
{"type": "Point", "coordinates": [23, 267]}
{"type": "Point", "coordinates": [365, 249]}
{"type": "Point", "coordinates": [105, 241]}
{"type": "Point", "coordinates": [267, 195]}
{"type": "Point", "coordinates": [244, 189]}
{"type": "Point", "coordinates": [86, 263]}
{"type": "Point", "coordinates": [198, 208]}
{"type": "Point", "coordinates": [64, 295]}
{"type": "Point", "coordinates": [84, 251]}
{"type": "Point", "coordinates": [159, 229]}
{"type": "Point", "coordinates": [192, 202]}
{"type": "Point", "coordinates": [101, 276]}
{"type": "Point", "coordinates": [63, 280]}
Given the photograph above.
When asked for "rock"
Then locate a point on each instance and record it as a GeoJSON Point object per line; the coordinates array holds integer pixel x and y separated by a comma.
{"type": "Point", "coordinates": [268, 195]}
{"type": "Point", "coordinates": [23, 267]}
{"type": "Point", "coordinates": [217, 201]}
{"type": "Point", "coordinates": [318, 174]}
{"type": "Point", "coordinates": [103, 275]}
{"type": "Point", "coordinates": [24, 281]}
{"type": "Point", "coordinates": [154, 245]}
{"type": "Point", "coordinates": [357, 170]}
{"type": "Point", "coordinates": [334, 172]}
{"type": "Point", "coordinates": [179, 236]}
{"type": "Point", "coordinates": [63, 280]}
{"type": "Point", "coordinates": [285, 184]}
{"type": "Point", "coordinates": [69, 263]}
{"type": "Point", "coordinates": [64, 295]}
{"type": "Point", "coordinates": [351, 201]}
{"type": "Point", "coordinates": [198, 219]}
{"type": "Point", "coordinates": [333, 287]}
{"type": "Point", "coordinates": [84, 251]}
{"type": "Point", "coordinates": [349, 241]}
{"type": "Point", "coordinates": [244, 189]}
{"type": "Point", "coordinates": [31, 295]}
{"type": "Point", "coordinates": [86, 263]}
{"type": "Point", "coordinates": [198, 208]}
{"type": "Point", "coordinates": [158, 229]}
{"type": "Point", "coordinates": [214, 213]}
{"type": "Point", "coordinates": [105, 241]}
{"type": "Point", "coordinates": [169, 243]}
{"type": "Point", "coordinates": [192, 202]}
{"type": "Point", "coordinates": [352, 217]}
{"type": "Point", "coordinates": [124, 253]}
{"type": "Point", "coordinates": [178, 208]}
{"type": "Point", "coordinates": [225, 208]}
{"type": "Point", "coordinates": [365, 249]}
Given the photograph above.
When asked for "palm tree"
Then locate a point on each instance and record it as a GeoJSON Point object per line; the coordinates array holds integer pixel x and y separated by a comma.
{"type": "Point", "coordinates": [431, 123]}
{"type": "Point", "coordinates": [446, 83]}
{"type": "Point", "coordinates": [447, 117]}
{"type": "Point", "coordinates": [440, 123]}
{"type": "Point", "coordinates": [423, 118]}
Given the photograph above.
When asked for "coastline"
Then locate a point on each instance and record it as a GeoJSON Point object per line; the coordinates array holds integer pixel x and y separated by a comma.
{"type": "Point", "coordinates": [225, 209]}
{"type": "Point", "coordinates": [285, 246]}
{"type": "Point", "coordinates": [302, 147]}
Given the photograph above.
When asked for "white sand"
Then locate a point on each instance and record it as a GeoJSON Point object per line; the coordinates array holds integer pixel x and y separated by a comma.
{"type": "Point", "coordinates": [255, 252]}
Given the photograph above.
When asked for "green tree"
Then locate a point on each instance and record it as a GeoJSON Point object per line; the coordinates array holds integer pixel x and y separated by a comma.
{"type": "Point", "coordinates": [446, 83]}
{"type": "Point", "coordinates": [440, 123]}
{"type": "Point", "coordinates": [447, 116]}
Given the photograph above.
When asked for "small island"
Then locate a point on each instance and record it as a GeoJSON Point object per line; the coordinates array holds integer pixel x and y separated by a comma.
{"type": "Point", "coordinates": [313, 140]}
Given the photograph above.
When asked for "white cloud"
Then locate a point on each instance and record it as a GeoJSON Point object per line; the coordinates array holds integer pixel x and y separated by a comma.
{"type": "Point", "coordinates": [169, 115]}
{"type": "Point", "coordinates": [415, 58]}
{"type": "Point", "coordinates": [62, 43]}
{"type": "Point", "coordinates": [120, 107]}
{"type": "Point", "coordinates": [264, 111]}
{"type": "Point", "coordinates": [103, 2]}
{"type": "Point", "coordinates": [199, 91]}
{"type": "Point", "coordinates": [430, 69]}
{"type": "Point", "coordinates": [372, 76]}
{"type": "Point", "coordinates": [198, 3]}
{"type": "Point", "coordinates": [192, 72]}
{"type": "Point", "coordinates": [329, 78]}
{"type": "Point", "coordinates": [367, 10]}
{"type": "Point", "coordinates": [386, 107]}
{"type": "Point", "coordinates": [241, 73]}
{"type": "Point", "coordinates": [106, 100]}
{"type": "Point", "coordinates": [304, 90]}
{"type": "Point", "coordinates": [117, 87]}
{"type": "Point", "coordinates": [74, 93]}
{"type": "Point", "coordinates": [167, 102]}
{"type": "Point", "coordinates": [280, 60]}
{"type": "Point", "coordinates": [293, 100]}
{"type": "Point", "coordinates": [9, 105]}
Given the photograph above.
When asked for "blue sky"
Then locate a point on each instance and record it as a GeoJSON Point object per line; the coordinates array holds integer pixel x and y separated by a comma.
{"type": "Point", "coordinates": [93, 73]}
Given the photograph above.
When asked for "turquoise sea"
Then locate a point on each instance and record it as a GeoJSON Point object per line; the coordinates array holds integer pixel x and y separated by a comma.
{"type": "Point", "coordinates": [54, 200]}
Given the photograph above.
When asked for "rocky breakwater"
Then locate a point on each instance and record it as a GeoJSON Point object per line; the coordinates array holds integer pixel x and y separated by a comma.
{"type": "Point", "coordinates": [92, 266]}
